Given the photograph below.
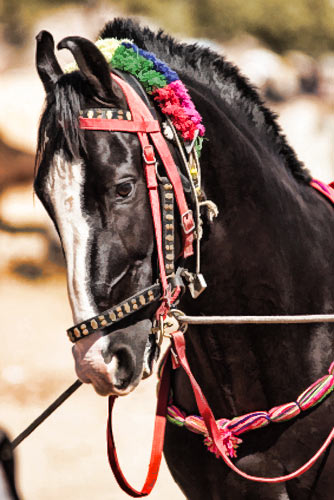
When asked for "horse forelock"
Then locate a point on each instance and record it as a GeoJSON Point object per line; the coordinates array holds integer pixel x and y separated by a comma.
{"type": "Point", "coordinates": [224, 80]}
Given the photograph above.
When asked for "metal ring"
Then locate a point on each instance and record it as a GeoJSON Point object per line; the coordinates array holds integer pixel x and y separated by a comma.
{"type": "Point", "coordinates": [178, 313]}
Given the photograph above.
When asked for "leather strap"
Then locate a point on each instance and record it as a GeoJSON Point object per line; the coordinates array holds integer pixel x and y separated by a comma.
{"type": "Point", "coordinates": [214, 432]}
{"type": "Point", "coordinates": [152, 185]}
{"type": "Point", "coordinates": [158, 439]}
{"type": "Point", "coordinates": [115, 314]}
{"type": "Point", "coordinates": [119, 125]}
{"type": "Point", "coordinates": [167, 211]}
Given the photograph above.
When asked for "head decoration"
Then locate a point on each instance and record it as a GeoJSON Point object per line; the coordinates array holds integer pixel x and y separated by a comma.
{"type": "Point", "coordinates": [158, 80]}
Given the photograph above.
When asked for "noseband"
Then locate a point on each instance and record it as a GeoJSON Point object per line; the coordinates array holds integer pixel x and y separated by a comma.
{"type": "Point", "coordinates": [139, 119]}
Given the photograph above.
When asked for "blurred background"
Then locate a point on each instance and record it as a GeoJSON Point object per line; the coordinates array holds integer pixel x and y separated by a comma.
{"type": "Point", "coordinates": [286, 48]}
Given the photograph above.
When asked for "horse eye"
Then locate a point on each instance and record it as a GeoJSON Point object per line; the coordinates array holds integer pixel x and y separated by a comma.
{"type": "Point", "coordinates": [124, 189]}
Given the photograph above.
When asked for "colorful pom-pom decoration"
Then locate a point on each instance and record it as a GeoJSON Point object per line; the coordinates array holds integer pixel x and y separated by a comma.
{"type": "Point", "coordinates": [158, 80]}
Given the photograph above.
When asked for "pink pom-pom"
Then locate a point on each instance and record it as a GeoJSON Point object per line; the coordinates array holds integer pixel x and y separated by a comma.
{"type": "Point", "coordinates": [230, 443]}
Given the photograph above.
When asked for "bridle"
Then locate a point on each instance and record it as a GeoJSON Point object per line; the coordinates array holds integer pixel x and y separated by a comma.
{"type": "Point", "coordinates": [139, 119]}
{"type": "Point", "coordinates": [162, 193]}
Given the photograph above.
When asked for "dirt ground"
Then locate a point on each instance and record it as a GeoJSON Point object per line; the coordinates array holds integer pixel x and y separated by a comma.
{"type": "Point", "coordinates": [66, 456]}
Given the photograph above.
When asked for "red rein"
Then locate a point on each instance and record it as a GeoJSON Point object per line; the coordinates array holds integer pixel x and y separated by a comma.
{"type": "Point", "coordinates": [213, 431]}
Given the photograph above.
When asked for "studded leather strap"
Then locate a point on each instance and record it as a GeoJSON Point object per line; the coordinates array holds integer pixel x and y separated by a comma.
{"type": "Point", "coordinates": [115, 314]}
{"type": "Point", "coordinates": [167, 210]}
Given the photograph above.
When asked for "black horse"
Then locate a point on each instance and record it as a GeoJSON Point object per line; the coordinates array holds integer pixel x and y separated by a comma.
{"type": "Point", "coordinates": [268, 252]}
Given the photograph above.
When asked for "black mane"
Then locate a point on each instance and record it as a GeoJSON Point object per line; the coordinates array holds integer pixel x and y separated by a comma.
{"type": "Point", "coordinates": [222, 77]}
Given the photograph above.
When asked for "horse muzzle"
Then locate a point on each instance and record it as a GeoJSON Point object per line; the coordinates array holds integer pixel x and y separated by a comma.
{"type": "Point", "coordinates": [113, 363]}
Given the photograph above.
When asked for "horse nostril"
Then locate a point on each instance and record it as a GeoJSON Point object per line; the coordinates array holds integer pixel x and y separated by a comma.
{"type": "Point", "coordinates": [124, 368]}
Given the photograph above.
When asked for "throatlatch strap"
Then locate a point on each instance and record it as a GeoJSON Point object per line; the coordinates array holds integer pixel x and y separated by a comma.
{"type": "Point", "coordinates": [158, 439]}
{"type": "Point", "coordinates": [216, 434]}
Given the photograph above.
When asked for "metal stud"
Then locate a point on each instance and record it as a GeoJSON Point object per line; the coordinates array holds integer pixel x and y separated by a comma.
{"type": "Point", "coordinates": [104, 323]}
{"type": "Point", "coordinates": [101, 318]}
{"type": "Point", "coordinates": [169, 217]}
{"type": "Point", "coordinates": [94, 324]}
{"type": "Point", "coordinates": [83, 326]}
{"type": "Point", "coordinates": [169, 196]}
{"type": "Point", "coordinates": [170, 256]}
{"type": "Point", "coordinates": [112, 316]}
{"type": "Point", "coordinates": [169, 237]}
{"type": "Point", "coordinates": [142, 300]}
{"type": "Point", "coordinates": [77, 332]}
{"type": "Point", "coordinates": [134, 304]}
{"type": "Point", "coordinates": [120, 314]}
{"type": "Point", "coordinates": [85, 332]}
{"type": "Point", "coordinates": [127, 307]}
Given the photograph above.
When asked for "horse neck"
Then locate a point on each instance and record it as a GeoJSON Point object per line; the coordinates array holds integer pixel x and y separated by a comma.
{"type": "Point", "coordinates": [252, 266]}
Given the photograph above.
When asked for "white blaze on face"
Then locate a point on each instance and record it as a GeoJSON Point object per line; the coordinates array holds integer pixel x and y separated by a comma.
{"type": "Point", "coordinates": [65, 184]}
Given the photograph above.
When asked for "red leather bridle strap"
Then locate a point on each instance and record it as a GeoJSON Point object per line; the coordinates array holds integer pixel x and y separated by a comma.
{"type": "Point", "coordinates": [158, 439]}
{"type": "Point", "coordinates": [119, 125]}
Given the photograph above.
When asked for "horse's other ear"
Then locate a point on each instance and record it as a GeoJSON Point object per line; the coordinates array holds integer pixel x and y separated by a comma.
{"type": "Point", "coordinates": [93, 65]}
{"type": "Point", "coordinates": [47, 65]}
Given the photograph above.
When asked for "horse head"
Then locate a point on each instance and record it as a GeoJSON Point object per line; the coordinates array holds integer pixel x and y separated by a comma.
{"type": "Point", "coordinates": [92, 185]}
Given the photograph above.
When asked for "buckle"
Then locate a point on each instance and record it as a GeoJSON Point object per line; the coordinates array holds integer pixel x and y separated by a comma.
{"type": "Point", "coordinates": [148, 155]}
{"type": "Point", "coordinates": [185, 223]}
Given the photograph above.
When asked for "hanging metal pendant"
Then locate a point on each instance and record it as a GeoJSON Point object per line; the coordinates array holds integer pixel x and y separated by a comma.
{"type": "Point", "coordinates": [197, 285]}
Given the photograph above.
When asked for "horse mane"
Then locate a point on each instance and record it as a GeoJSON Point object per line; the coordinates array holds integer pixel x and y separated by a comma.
{"type": "Point", "coordinates": [223, 78]}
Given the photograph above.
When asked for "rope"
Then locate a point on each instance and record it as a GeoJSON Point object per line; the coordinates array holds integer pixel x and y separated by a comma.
{"type": "Point", "coordinates": [46, 413]}
{"type": "Point", "coordinates": [240, 320]}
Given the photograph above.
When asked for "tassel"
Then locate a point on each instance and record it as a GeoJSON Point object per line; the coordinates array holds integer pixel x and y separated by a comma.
{"type": "Point", "coordinates": [230, 443]}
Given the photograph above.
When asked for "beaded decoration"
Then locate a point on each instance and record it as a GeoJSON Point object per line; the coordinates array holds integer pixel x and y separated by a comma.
{"type": "Point", "coordinates": [158, 80]}
{"type": "Point", "coordinates": [231, 429]}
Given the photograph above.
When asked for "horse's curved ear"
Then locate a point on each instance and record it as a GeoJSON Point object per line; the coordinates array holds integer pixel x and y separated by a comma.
{"type": "Point", "coordinates": [93, 65]}
{"type": "Point", "coordinates": [47, 65]}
